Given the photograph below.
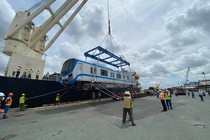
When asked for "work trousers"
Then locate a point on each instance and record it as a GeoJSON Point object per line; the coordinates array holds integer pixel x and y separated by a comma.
{"type": "Point", "coordinates": [169, 104]}
{"type": "Point", "coordinates": [201, 97]}
{"type": "Point", "coordinates": [130, 112]}
{"type": "Point", "coordinates": [164, 105]}
{"type": "Point", "coordinates": [22, 107]}
{"type": "Point", "coordinates": [6, 109]}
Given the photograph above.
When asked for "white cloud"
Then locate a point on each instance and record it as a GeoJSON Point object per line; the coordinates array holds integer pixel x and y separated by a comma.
{"type": "Point", "coordinates": [160, 40]}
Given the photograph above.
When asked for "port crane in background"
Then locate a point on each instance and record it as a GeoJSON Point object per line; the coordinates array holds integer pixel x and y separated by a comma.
{"type": "Point", "coordinates": [25, 42]}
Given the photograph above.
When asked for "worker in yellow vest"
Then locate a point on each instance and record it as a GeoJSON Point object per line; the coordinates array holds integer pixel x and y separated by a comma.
{"type": "Point", "coordinates": [57, 99]}
{"type": "Point", "coordinates": [37, 74]}
{"type": "Point", "coordinates": [22, 102]}
{"type": "Point", "coordinates": [168, 99]}
{"type": "Point", "coordinates": [128, 107]}
{"type": "Point", "coordinates": [8, 103]}
{"type": "Point", "coordinates": [162, 99]}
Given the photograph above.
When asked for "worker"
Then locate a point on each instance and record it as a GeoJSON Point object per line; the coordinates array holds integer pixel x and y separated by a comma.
{"type": "Point", "coordinates": [18, 71]}
{"type": "Point", "coordinates": [47, 76]}
{"type": "Point", "coordinates": [8, 103]}
{"type": "Point", "coordinates": [162, 99]}
{"type": "Point", "coordinates": [93, 96]}
{"type": "Point", "coordinates": [30, 73]}
{"type": "Point", "coordinates": [128, 107]}
{"type": "Point", "coordinates": [1, 99]}
{"type": "Point", "coordinates": [37, 74]}
{"type": "Point", "coordinates": [201, 93]}
{"type": "Point", "coordinates": [57, 99]}
{"type": "Point", "coordinates": [13, 73]}
{"type": "Point", "coordinates": [168, 99]}
{"type": "Point", "coordinates": [22, 102]}
{"type": "Point", "coordinates": [25, 73]}
{"type": "Point", "coordinates": [99, 96]}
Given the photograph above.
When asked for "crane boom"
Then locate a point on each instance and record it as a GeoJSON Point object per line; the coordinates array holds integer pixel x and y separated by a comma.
{"type": "Point", "coordinates": [25, 42]}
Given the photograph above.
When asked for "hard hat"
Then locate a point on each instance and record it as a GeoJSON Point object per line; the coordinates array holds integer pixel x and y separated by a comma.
{"type": "Point", "coordinates": [10, 94]}
{"type": "Point", "coordinates": [23, 94]}
{"type": "Point", "coordinates": [2, 94]}
{"type": "Point", "coordinates": [127, 93]}
{"type": "Point", "coordinates": [26, 68]}
{"type": "Point", "coordinates": [58, 94]}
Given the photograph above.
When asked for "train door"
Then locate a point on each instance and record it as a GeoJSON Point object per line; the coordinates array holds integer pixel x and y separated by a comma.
{"type": "Point", "coordinates": [80, 69]}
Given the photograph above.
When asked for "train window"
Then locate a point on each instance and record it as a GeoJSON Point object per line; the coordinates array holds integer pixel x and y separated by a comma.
{"type": "Point", "coordinates": [118, 76]}
{"type": "Point", "coordinates": [128, 78]}
{"type": "Point", "coordinates": [95, 70]}
{"type": "Point", "coordinates": [112, 74]}
{"type": "Point", "coordinates": [104, 72]}
{"type": "Point", "coordinates": [123, 77]}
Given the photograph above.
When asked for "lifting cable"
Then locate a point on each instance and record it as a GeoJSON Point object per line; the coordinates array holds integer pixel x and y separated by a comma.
{"type": "Point", "coordinates": [67, 90]}
{"type": "Point", "coordinates": [82, 95]}
{"type": "Point", "coordinates": [47, 94]}
{"type": "Point", "coordinates": [108, 90]}
{"type": "Point", "coordinates": [106, 93]}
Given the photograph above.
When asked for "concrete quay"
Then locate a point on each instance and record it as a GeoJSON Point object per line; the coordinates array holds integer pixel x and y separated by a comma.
{"type": "Point", "coordinates": [189, 120]}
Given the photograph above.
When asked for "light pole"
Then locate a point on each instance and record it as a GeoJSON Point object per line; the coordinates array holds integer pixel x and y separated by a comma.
{"type": "Point", "coordinates": [205, 80]}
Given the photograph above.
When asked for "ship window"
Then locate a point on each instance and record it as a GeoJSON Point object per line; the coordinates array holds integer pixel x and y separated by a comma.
{"type": "Point", "coordinates": [104, 72]}
{"type": "Point", "coordinates": [118, 76]}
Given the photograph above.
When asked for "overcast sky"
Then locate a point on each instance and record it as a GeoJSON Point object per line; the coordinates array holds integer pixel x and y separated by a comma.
{"type": "Point", "coordinates": [160, 39]}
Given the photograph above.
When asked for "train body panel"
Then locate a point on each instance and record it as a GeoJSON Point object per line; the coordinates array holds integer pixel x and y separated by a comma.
{"type": "Point", "coordinates": [75, 70]}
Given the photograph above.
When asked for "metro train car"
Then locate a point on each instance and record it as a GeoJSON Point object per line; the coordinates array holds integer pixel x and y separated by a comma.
{"type": "Point", "coordinates": [75, 71]}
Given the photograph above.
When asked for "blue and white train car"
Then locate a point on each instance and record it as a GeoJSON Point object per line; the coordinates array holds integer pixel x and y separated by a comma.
{"type": "Point", "coordinates": [76, 71]}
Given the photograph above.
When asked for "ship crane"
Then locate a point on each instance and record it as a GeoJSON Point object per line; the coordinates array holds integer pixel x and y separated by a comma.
{"type": "Point", "coordinates": [25, 42]}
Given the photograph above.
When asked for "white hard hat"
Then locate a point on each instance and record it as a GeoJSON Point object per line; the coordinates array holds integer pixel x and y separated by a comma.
{"type": "Point", "coordinates": [127, 93]}
{"type": "Point", "coordinates": [2, 94]}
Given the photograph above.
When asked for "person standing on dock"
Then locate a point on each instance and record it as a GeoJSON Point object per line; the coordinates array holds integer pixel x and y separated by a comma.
{"type": "Point", "coordinates": [162, 99]}
{"type": "Point", "coordinates": [8, 103]}
{"type": "Point", "coordinates": [99, 96]}
{"type": "Point", "coordinates": [93, 96]}
{"type": "Point", "coordinates": [128, 108]}
{"type": "Point", "coordinates": [1, 99]}
{"type": "Point", "coordinates": [57, 99]}
{"type": "Point", "coordinates": [22, 102]}
{"type": "Point", "coordinates": [201, 94]}
{"type": "Point", "coordinates": [168, 99]}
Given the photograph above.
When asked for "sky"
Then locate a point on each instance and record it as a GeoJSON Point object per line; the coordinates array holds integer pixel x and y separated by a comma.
{"type": "Point", "coordinates": [159, 39]}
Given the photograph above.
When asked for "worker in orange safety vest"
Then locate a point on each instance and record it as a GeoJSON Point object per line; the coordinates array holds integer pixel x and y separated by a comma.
{"type": "Point", "coordinates": [162, 99]}
{"type": "Point", "coordinates": [8, 103]}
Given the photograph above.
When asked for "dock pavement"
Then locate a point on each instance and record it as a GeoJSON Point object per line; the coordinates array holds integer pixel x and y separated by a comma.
{"type": "Point", "coordinates": [189, 120]}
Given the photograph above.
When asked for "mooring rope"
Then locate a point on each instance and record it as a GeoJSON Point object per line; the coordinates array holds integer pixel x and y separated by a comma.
{"type": "Point", "coordinates": [46, 94]}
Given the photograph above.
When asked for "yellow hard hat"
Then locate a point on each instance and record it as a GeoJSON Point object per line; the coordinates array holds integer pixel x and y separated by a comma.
{"type": "Point", "coordinates": [23, 94]}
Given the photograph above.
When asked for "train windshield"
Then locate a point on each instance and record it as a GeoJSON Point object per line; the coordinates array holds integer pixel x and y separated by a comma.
{"type": "Point", "coordinates": [67, 66]}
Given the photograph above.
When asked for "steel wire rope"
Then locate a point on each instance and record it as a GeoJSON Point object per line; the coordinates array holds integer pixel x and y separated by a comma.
{"type": "Point", "coordinates": [82, 95]}
{"type": "Point", "coordinates": [107, 90]}
{"type": "Point", "coordinates": [46, 94]}
{"type": "Point", "coordinates": [106, 93]}
{"type": "Point", "coordinates": [67, 90]}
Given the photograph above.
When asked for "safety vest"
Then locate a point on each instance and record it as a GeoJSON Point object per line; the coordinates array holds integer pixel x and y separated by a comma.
{"type": "Point", "coordinates": [9, 102]}
{"type": "Point", "coordinates": [37, 73]}
{"type": "Point", "coordinates": [127, 102]}
{"type": "Point", "coordinates": [162, 96]}
{"type": "Point", "coordinates": [168, 96]}
{"type": "Point", "coordinates": [57, 98]}
{"type": "Point", "coordinates": [22, 100]}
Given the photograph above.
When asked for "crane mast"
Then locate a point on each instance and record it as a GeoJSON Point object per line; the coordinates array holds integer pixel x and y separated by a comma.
{"type": "Point", "coordinates": [25, 42]}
